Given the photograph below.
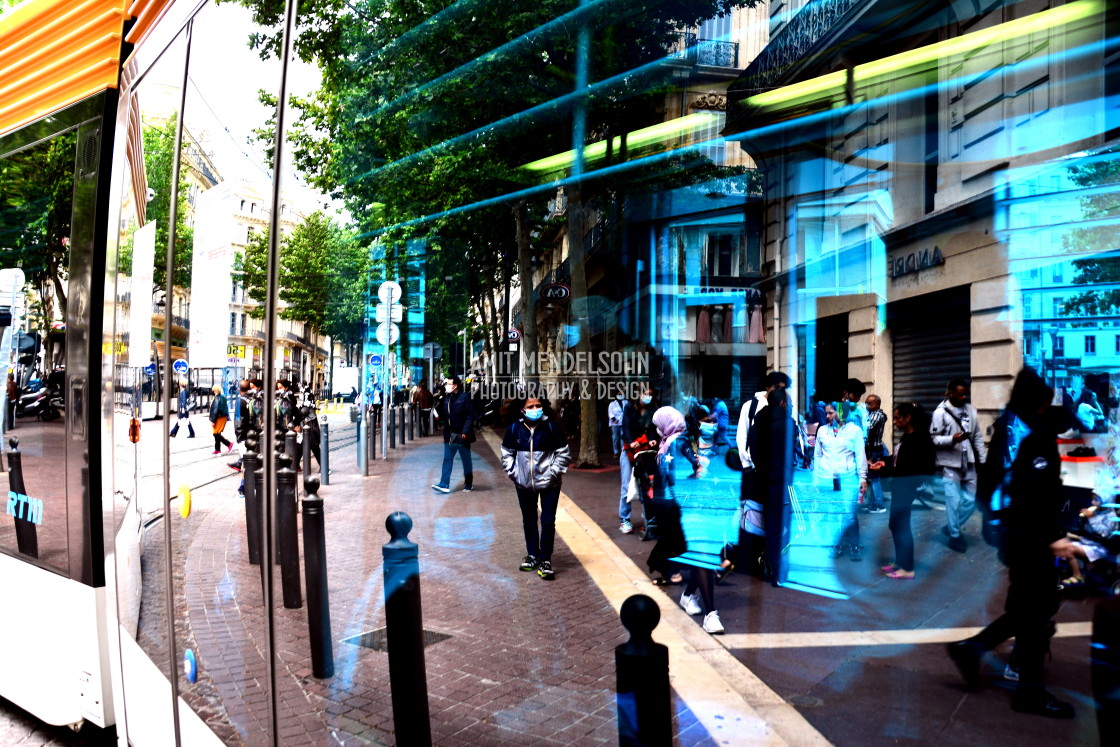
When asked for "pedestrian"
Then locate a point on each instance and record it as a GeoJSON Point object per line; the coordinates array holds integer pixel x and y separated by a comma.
{"type": "Point", "coordinates": [1024, 478]}
{"type": "Point", "coordinates": [247, 420]}
{"type": "Point", "coordinates": [219, 416]}
{"type": "Point", "coordinates": [719, 409]}
{"type": "Point", "coordinates": [960, 451]}
{"type": "Point", "coordinates": [852, 391]}
{"type": "Point", "coordinates": [457, 414]}
{"type": "Point", "coordinates": [876, 452]}
{"type": "Point", "coordinates": [679, 470]}
{"type": "Point", "coordinates": [422, 400]}
{"type": "Point", "coordinates": [614, 422]}
{"type": "Point", "coordinates": [13, 398]}
{"type": "Point", "coordinates": [910, 472]}
{"type": "Point", "coordinates": [287, 417]}
{"type": "Point", "coordinates": [1089, 413]}
{"type": "Point", "coordinates": [840, 471]}
{"type": "Point", "coordinates": [629, 428]}
{"type": "Point", "coordinates": [184, 410]}
{"type": "Point", "coordinates": [771, 444]}
{"type": "Point", "coordinates": [309, 431]}
{"type": "Point", "coordinates": [747, 415]}
{"type": "Point", "coordinates": [535, 455]}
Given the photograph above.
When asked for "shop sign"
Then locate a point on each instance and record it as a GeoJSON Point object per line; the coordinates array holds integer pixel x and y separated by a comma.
{"type": "Point", "coordinates": [556, 292]}
{"type": "Point", "coordinates": [1065, 362]}
{"type": "Point", "coordinates": [904, 264]}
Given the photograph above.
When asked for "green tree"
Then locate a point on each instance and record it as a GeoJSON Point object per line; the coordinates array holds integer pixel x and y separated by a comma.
{"type": "Point", "coordinates": [159, 146]}
{"type": "Point", "coordinates": [1100, 241]}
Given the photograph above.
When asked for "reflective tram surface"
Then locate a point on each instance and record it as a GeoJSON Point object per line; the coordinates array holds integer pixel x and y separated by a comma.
{"type": "Point", "coordinates": [384, 372]}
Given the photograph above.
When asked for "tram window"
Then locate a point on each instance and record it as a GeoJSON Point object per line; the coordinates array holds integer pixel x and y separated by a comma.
{"type": "Point", "coordinates": [36, 206]}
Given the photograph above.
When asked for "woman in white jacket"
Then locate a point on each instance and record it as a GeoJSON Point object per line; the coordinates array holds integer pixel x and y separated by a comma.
{"type": "Point", "coordinates": [840, 467]}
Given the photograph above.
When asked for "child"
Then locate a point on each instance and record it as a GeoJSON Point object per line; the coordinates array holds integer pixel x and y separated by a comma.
{"type": "Point", "coordinates": [1100, 523]}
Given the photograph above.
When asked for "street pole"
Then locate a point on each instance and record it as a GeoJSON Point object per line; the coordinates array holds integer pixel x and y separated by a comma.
{"type": "Point", "coordinates": [464, 333]}
{"type": "Point", "coordinates": [385, 395]}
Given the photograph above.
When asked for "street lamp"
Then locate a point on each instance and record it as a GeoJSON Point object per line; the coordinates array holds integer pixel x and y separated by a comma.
{"type": "Point", "coordinates": [463, 332]}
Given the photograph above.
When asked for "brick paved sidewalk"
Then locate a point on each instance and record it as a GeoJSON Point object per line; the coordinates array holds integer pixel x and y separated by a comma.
{"type": "Point", "coordinates": [525, 661]}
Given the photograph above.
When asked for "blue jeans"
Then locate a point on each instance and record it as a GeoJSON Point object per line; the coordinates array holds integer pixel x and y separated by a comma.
{"type": "Point", "coordinates": [616, 439]}
{"type": "Point", "coordinates": [539, 545]}
{"type": "Point", "coordinates": [626, 469]}
{"type": "Point", "coordinates": [875, 498]}
{"type": "Point", "coordinates": [449, 452]}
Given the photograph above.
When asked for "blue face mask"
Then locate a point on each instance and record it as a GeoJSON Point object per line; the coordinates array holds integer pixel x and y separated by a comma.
{"type": "Point", "coordinates": [647, 400]}
{"type": "Point", "coordinates": [534, 414]}
{"type": "Point", "coordinates": [707, 430]}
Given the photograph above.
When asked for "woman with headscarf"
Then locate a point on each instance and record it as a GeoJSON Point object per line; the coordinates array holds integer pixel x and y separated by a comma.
{"type": "Point", "coordinates": [840, 471]}
{"type": "Point", "coordinates": [676, 459]}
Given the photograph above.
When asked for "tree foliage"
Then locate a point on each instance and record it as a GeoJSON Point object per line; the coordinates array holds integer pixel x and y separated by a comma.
{"type": "Point", "coordinates": [159, 147]}
{"type": "Point", "coordinates": [1100, 241]}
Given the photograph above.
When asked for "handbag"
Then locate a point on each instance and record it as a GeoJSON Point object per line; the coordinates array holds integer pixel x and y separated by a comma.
{"type": "Point", "coordinates": [733, 460]}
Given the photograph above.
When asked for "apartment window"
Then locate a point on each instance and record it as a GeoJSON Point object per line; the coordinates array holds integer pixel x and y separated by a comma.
{"type": "Point", "coordinates": [1118, 344]}
{"type": "Point", "coordinates": [1028, 307]}
{"type": "Point", "coordinates": [1058, 275]}
{"type": "Point", "coordinates": [253, 207]}
{"type": "Point", "coordinates": [232, 323]}
{"type": "Point", "coordinates": [1059, 346]}
{"type": "Point", "coordinates": [1058, 305]}
{"type": "Point", "coordinates": [249, 234]}
{"type": "Point", "coordinates": [1028, 346]}
{"type": "Point", "coordinates": [1090, 344]}
{"type": "Point", "coordinates": [233, 291]}
{"type": "Point", "coordinates": [243, 206]}
{"type": "Point", "coordinates": [243, 325]}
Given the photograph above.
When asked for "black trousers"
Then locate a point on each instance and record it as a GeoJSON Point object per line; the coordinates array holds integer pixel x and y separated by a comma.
{"type": "Point", "coordinates": [1032, 599]}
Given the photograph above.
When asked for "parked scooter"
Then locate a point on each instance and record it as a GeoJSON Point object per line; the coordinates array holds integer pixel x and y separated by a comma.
{"type": "Point", "coordinates": [43, 404]}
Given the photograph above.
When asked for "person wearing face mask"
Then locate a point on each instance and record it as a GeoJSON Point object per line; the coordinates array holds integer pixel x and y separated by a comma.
{"type": "Point", "coordinates": [535, 455]}
{"type": "Point", "coordinates": [457, 414]}
{"type": "Point", "coordinates": [614, 420]}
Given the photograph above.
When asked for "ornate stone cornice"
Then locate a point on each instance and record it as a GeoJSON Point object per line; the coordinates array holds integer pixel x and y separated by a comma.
{"type": "Point", "coordinates": [712, 101]}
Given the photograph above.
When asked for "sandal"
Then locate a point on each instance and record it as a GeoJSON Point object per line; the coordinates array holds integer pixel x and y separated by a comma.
{"type": "Point", "coordinates": [901, 575]}
{"type": "Point", "coordinates": [1073, 582]}
{"type": "Point", "coordinates": [724, 572]}
{"type": "Point", "coordinates": [661, 581]}
{"type": "Point", "coordinates": [889, 568]}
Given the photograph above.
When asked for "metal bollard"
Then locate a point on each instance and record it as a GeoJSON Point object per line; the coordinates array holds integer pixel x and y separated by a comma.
{"type": "Point", "coordinates": [371, 441]}
{"type": "Point", "coordinates": [291, 446]}
{"type": "Point", "coordinates": [365, 432]}
{"type": "Point", "coordinates": [392, 427]}
{"type": "Point", "coordinates": [324, 452]}
{"type": "Point", "coordinates": [287, 533]}
{"type": "Point", "coordinates": [259, 509]}
{"type": "Point", "coordinates": [315, 573]}
{"type": "Point", "coordinates": [27, 538]}
{"type": "Point", "coordinates": [645, 709]}
{"type": "Point", "coordinates": [1104, 660]}
{"type": "Point", "coordinates": [404, 632]}
{"type": "Point", "coordinates": [249, 464]}
{"type": "Point", "coordinates": [401, 409]}
{"type": "Point", "coordinates": [306, 454]}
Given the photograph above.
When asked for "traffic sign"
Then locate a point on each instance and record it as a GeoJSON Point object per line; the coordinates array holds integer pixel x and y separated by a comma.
{"type": "Point", "coordinates": [513, 335]}
{"type": "Point", "coordinates": [433, 350]}
{"type": "Point", "coordinates": [375, 360]}
{"type": "Point", "coordinates": [395, 312]}
{"type": "Point", "coordinates": [180, 366]}
{"type": "Point", "coordinates": [387, 333]}
{"type": "Point", "coordinates": [150, 369]}
{"type": "Point", "coordinates": [389, 292]}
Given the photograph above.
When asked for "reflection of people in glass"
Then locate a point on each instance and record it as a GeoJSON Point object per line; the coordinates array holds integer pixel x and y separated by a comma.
{"type": "Point", "coordinates": [675, 458]}
{"type": "Point", "coordinates": [535, 455]}
{"type": "Point", "coordinates": [1025, 469]}
{"type": "Point", "coordinates": [184, 410]}
{"type": "Point", "coordinates": [219, 416]}
{"type": "Point", "coordinates": [840, 466]}
{"type": "Point", "coordinates": [910, 470]}
{"type": "Point", "coordinates": [960, 450]}
{"type": "Point", "coordinates": [771, 442]}
{"type": "Point", "coordinates": [876, 452]}
{"type": "Point", "coordinates": [1089, 412]}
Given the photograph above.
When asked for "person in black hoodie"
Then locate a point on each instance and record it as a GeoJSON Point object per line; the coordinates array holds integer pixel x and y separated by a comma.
{"type": "Point", "coordinates": [1025, 469]}
{"type": "Point", "coordinates": [911, 469]}
{"type": "Point", "coordinates": [457, 415]}
{"type": "Point", "coordinates": [771, 448]}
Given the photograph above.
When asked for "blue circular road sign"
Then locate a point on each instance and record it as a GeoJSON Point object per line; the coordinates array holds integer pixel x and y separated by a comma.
{"type": "Point", "coordinates": [375, 360]}
{"type": "Point", "coordinates": [150, 369]}
{"type": "Point", "coordinates": [180, 367]}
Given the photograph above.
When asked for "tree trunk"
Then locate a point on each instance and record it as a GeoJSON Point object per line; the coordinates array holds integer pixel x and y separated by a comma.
{"type": "Point", "coordinates": [507, 317]}
{"type": "Point", "coordinates": [495, 332]}
{"type": "Point", "coordinates": [589, 418]}
{"type": "Point", "coordinates": [528, 297]}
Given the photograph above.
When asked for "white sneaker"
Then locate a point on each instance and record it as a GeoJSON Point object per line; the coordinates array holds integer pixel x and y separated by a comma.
{"type": "Point", "coordinates": [712, 624]}
{"type": "Point", "coordinates": [625, 527]}
{"type": "Point", "coordinates": [691, 606]}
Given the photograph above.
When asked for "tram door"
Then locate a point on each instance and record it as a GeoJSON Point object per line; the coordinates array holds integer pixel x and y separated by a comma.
{"type": "Point", "coordinates": [193, 664]}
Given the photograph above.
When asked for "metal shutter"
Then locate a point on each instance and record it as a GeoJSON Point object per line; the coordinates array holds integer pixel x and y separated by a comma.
{"type": "Point", "coordinates": [932, 344]}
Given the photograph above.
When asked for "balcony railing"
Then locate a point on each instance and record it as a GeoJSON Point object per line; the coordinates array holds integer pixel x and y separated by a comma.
{"type": "Point", "coordinates": [811, 24]}
{"type": "Point", "coordinates": [706, 51]}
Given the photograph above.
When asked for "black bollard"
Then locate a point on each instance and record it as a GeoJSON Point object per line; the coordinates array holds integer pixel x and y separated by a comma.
{"type": "Point", "coordinates": [645, 709]}
{"type": "Point", "coordinates": [324, 453]}
{"type": "Point", "coordinates": [371, 442]}
{"type": "Point", "coordinates": [288, 533]}
{"type": "Point", "coordinates": [306, 457]}
{"type": "Point", "coordinates": [392, 427]}
{"type": "Point", "coordinates": [315, 573]}
{"type": "Point", "coordinates": [291, 447]}
{"type": "Point", "coordinates": [1104, 660]}
{"type": "Point", "coordinates": [261, 507]}
{"type": "Point", "coordinates": [249, 464]}
{"type": "Point", "coordinates": [404, 633]}
{"type": "Point", "coordinates": [26, 510]}
{"type": "Point", "coordinates": [404, 424]}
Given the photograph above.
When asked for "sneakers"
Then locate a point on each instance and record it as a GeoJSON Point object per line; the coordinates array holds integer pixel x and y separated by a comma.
{"type": "Point", "coordinates": [1010, 674]}
{"type": "Point", "coordinates": [879, 510]}
{"type": "Point", "coordinates": [441, 488]}
{"type": "Point", "coordinates": [468, 488]}
{"type": "Point", "coordinates": [626, 527]}
{"type": "Point", "coordinates": [215, 451]}
{"type": "Point", "coordinates": [230, 449]}
{"type": "Point", "coordinates": [1038, 702]}
{"type": "Point", "coordinates": [838, 551]}
{"type": "Point", "coordinates": [544, 570]}
{"type": "Point", "coordinates": [234, 466]}
{"type": "Point", "coordinates": [857, 553]}
{"type": "Point", "coordinates": [964, 655]}
{"type": "Point", "coordinates": [691, 606]}
{"type": "Point", "coordinates": [528, 564]}
{"type": "Point", "coordinates": [957, 544]}
{"type": "Point", "coordinates": [712, 624]}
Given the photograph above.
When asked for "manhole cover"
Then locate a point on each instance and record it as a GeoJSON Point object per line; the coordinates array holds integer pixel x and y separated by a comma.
{"type": "Point", "coordinates": [378, 640]}
{"type": "Point", "coordinates": [805, 701]}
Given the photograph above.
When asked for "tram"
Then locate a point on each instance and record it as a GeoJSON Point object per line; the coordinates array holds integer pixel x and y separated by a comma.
{"type": "Point", "coordinates": [72, 161]}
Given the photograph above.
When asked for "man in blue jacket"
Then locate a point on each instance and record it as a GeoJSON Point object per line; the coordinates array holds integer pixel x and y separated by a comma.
{"type": "Point", "coordinates": [457, 414]}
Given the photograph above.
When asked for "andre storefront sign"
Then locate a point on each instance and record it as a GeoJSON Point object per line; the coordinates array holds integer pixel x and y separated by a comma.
{"type": "Point", "coordinates": [905, 264]}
